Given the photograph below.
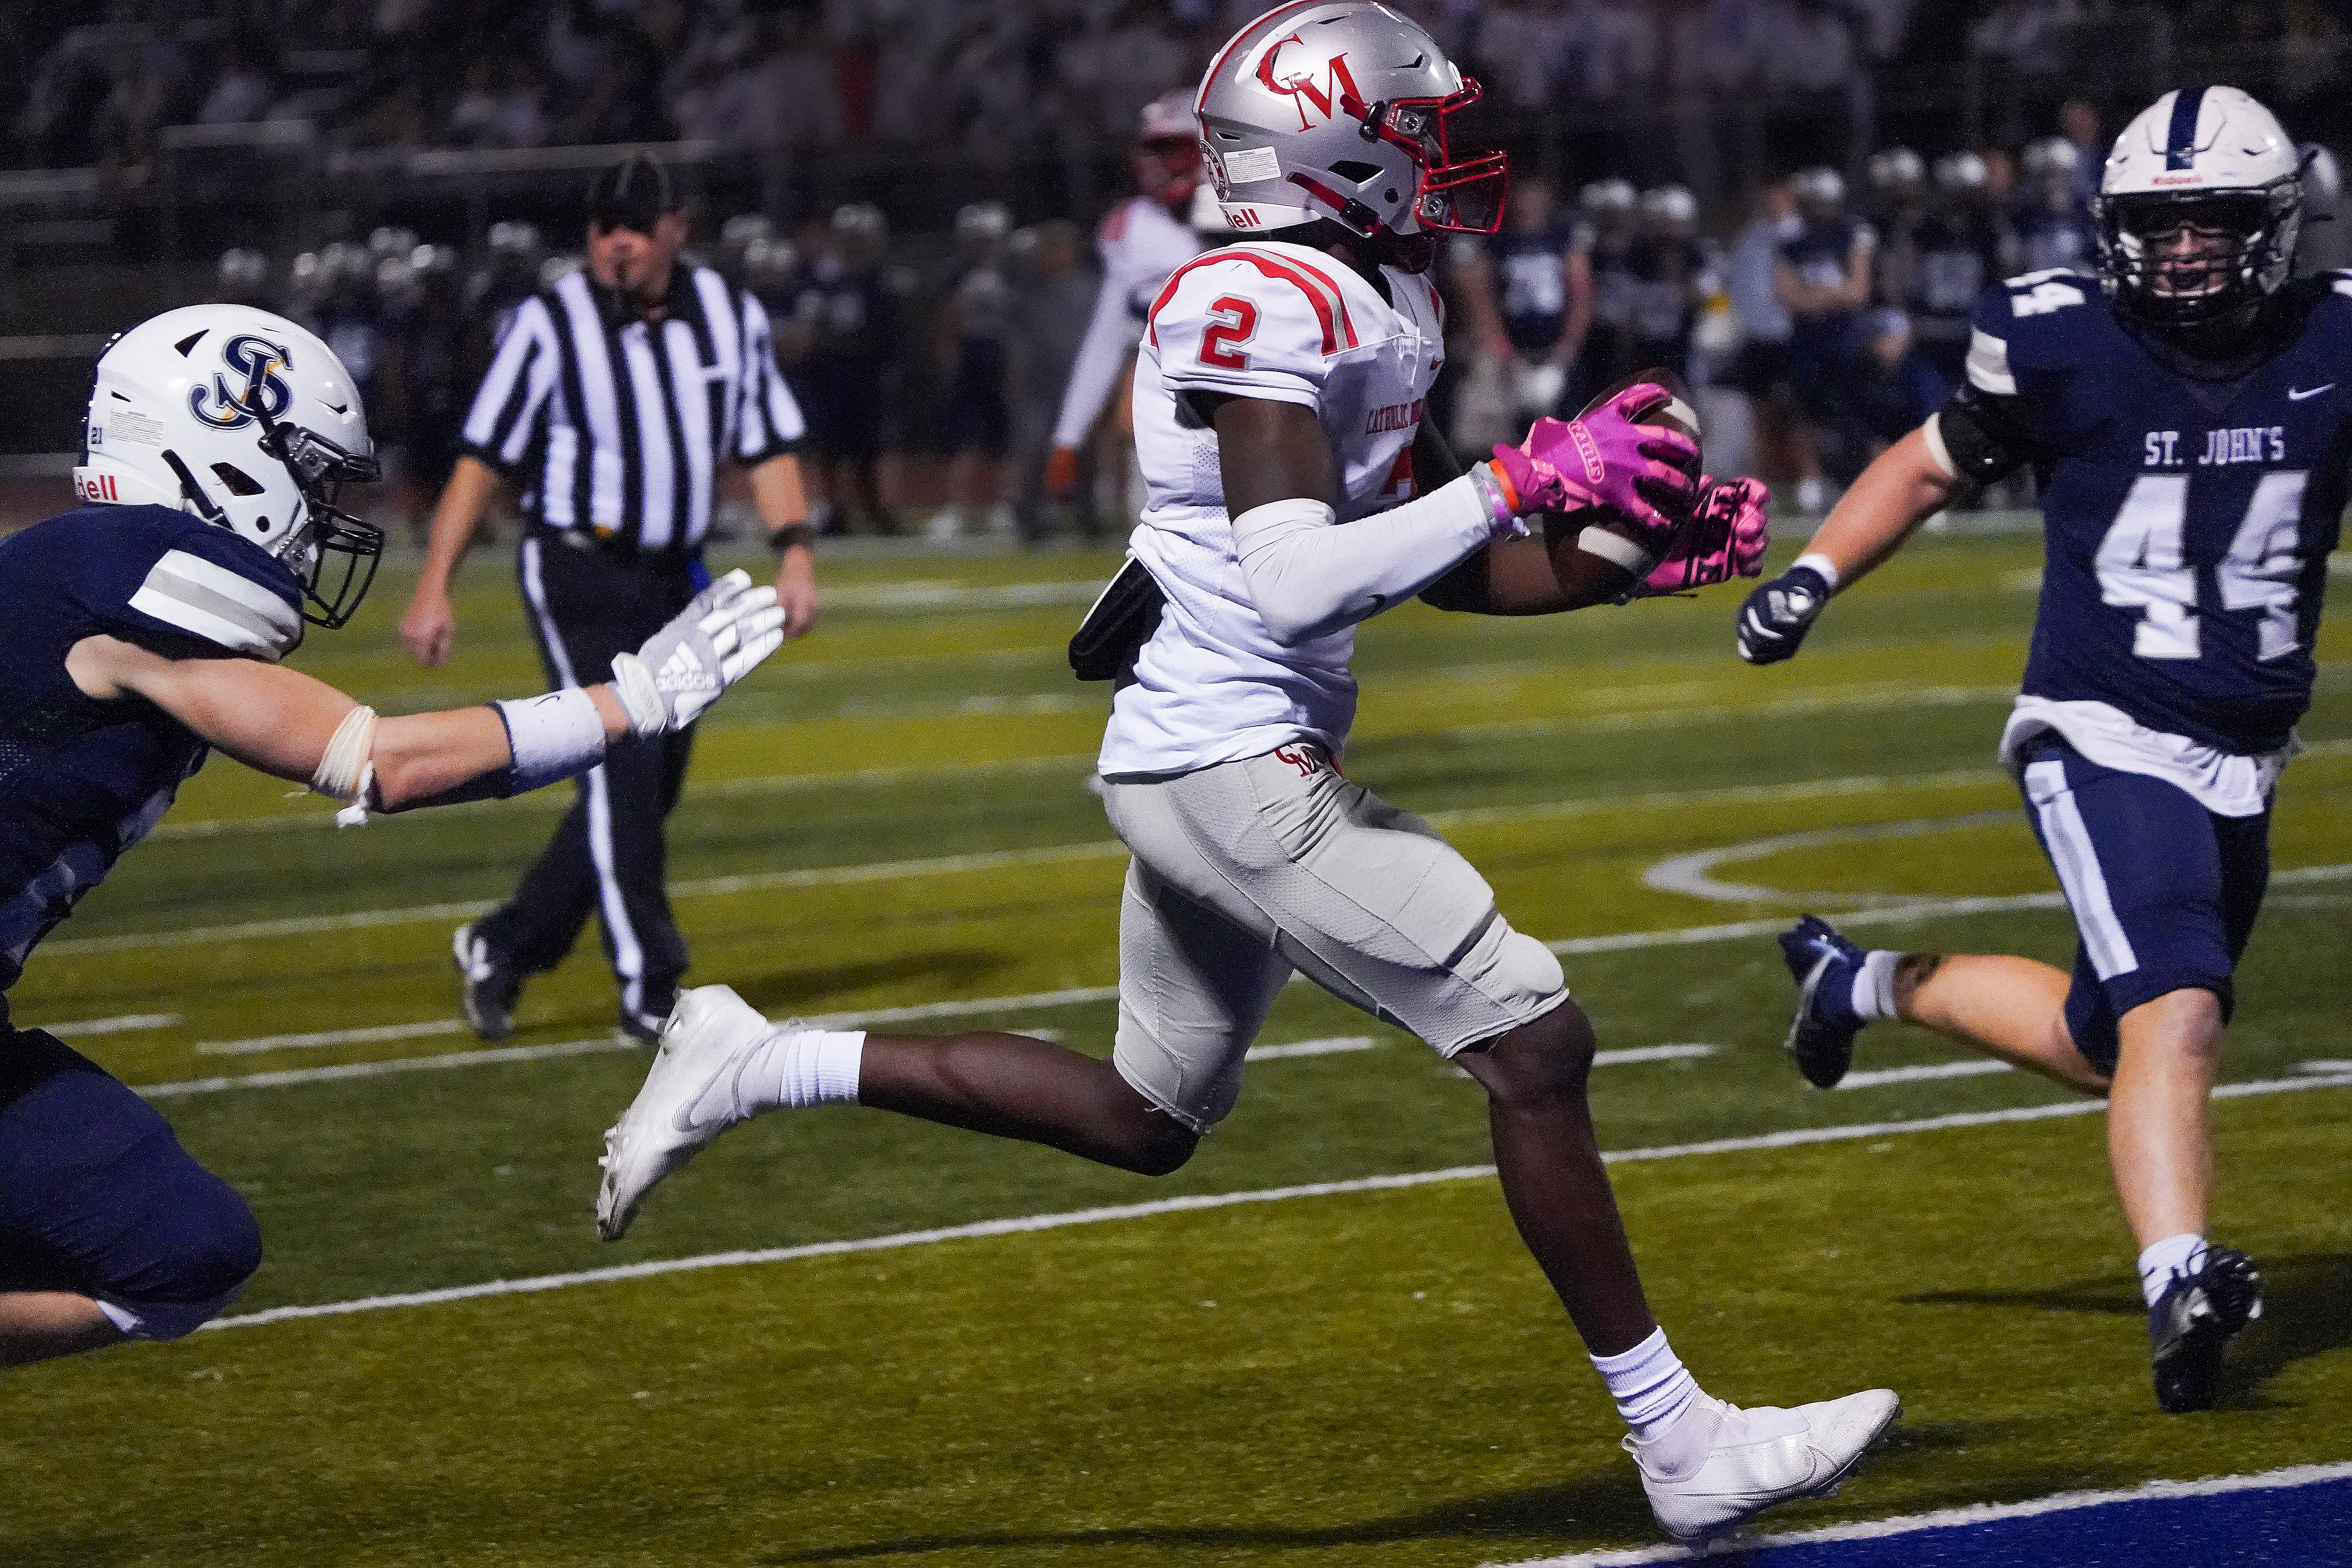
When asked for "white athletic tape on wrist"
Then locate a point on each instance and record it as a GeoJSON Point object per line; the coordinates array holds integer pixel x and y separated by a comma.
{"type": "Point", "coordinates": [552, 737]}
{"type": "Point", "coordinates": [1821, 563]}
{"type": "Point", "coordinates": [348, 770]}
{"type": "Point", "coordinates": [1940, 455]}
{"type": "Point", "coordinates": [1616, 549]}
{"type": "Point", "coordinates": [640, 697]}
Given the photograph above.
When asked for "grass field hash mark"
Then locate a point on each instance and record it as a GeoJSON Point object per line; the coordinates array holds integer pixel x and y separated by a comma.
{"type": "Point", "coordinates": [1791, 1138]}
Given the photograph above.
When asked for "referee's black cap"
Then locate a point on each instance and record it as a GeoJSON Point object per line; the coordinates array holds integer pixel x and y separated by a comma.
{"type": "Point", "coordinates": [633, 193]}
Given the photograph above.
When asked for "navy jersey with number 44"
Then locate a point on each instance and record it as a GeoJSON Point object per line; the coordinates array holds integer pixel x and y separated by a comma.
{"type": "Point", "coordinates": [2188, 521]}
{"type": "Point", "coordinates": [82, 780]}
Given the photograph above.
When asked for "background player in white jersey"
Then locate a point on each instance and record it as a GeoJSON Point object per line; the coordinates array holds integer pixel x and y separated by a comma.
{"type": "Point", "coordinates": [2192, 444]}
{"type": "Point", "coordinates": [1142, 240]}
{"type": "Point", "coordinates": [1295, 491]}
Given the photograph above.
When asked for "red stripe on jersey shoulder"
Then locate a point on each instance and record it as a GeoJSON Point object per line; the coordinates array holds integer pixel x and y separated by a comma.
{"type": "Point", "coordinates": [1329, 304]}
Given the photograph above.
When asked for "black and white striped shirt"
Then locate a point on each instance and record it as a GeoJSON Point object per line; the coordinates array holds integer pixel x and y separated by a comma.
{"type": "Point", "coordinates": [620, 428]}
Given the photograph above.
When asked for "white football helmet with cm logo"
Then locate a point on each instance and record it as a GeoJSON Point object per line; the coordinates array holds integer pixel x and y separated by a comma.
{"type": "Point", "coordinates": [247, 421]}
{"type": "Point", "coordinates": [1337, 109]}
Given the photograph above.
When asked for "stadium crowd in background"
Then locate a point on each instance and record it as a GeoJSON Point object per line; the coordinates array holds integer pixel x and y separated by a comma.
{"type": "Point", "coordinates": [1813, 290]}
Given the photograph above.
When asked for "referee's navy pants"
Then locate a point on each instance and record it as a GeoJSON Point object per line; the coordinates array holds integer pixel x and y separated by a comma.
{"type": "Point", "coordinates": [587, 603]}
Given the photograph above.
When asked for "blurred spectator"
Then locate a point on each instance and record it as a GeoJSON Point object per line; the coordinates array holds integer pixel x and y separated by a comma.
{"type": "Point", "coordinates": [976, 419]}
{"type": "Point", "coordinates": [1898, 190]}
{"type": "Point", "coordinates": [1673, 272]}
{"type": "Point", "coordinates": [2079, 123]}
{"type": "Point", "coordinates": [852, 308]}
{"type": "Point", "coordinates": [2052, 231]}
{"type": "Point", "coordinates": [1823, 280]}
{"type": "Point", "coordinates": [243, 279]}
{"type": "Point", "coordinates": [1532, 304]}
{"type": "Point", "coordinates": [1960, 248]}
{"type": "Point", "coordinates": [1521, 48]}
{"type": "Point", "coordinates": [1600, 262]}
{"type": "Point", "coordinates": [2324, 246]}
{"type": "Point", "coordinates": [1888, 392]}
{"type": "Point", "coordinates": [243, 90]}
{"type": "Point", "coordinates": [2026, 36]}
{"type": "Point", "coordinates": [1051, 306]}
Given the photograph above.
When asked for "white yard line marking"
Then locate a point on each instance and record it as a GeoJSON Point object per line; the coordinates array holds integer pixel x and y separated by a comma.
{"type": "Point", "coordinates": [1618, 941]}
{"type": "Point", "coordinates": [1022, 1225]}
{"type": "Point", "coordinates": [1650, 1054]}
{"type": "Point", "coordinates": [292, 1075]}
{"type": "Point", "coordinates": [1974, 1068]}
{"type": "Point", "coordinates": [1332, 1046]}
{"type": "Point", "coordinates": [127, 1023]}
{"type": "Point", "coordinates": [330, 1037]}
{"type": "Point", "coordinates": [2325, 1066]}
{"type": "Point", "coordinates": [1693, 874]}
{"type": "Point", "coordinates": [1945, 1518]}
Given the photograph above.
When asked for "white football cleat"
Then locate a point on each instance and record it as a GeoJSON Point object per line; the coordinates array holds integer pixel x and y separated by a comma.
{"type": "Point", "coordinates": [704, 1041]}
{"type": "Point", "coordinates": [1754, 1459]}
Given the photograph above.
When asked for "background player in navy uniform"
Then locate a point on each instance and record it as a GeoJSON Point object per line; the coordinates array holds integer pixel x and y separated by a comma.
{"type": "Point", "coordinates": [2191, 432]}
{"type": "Point", "coordinates": [1822, 278]}
{"type": "Point", "coordinates": [142, 631]}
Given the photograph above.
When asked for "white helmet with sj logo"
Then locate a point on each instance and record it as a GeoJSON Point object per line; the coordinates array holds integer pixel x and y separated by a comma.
{"type": "Point", "coordinates": [1337, 109]}
{"type": "Point", "coordinates": [247, 421]}
{"type": "Point", "coordinates": [2198, 209]}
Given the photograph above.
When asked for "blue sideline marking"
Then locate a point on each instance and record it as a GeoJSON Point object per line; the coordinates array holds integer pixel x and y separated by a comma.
{"type": "Point", "coordinates": [2299, 1518]}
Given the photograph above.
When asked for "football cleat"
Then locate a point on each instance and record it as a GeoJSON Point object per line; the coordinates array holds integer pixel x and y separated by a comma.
{"type": "Point", "coordinates": [490, 984]}
{"type": "Point", "coordinates": [687, 1100]}
{"type": "Point", "coordinates": [2195, 1317]}
{"type": "Point", "coordinates": [1821, 1035]}
{"type": "Point", "coordinates": [1756, 1459]}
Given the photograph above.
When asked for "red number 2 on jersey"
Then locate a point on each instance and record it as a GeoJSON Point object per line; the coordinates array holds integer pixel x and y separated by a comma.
{"type": "Point", "coordinates": [1236, 323]}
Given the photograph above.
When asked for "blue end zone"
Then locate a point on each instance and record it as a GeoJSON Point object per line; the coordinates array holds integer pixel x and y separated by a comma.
{"type": "Point", "coordinates": [2293, 1527]}
{"type": "Point", "coordinates": [2300, 1517]}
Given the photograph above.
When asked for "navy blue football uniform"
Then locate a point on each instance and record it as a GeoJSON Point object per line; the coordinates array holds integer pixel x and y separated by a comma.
{"type": "Point", "coordinates": [96, 1194]}
{"type": "Point", "coordinates": [2188, 512]}
{"type": "Point", "coordinates": [2188, 521]}
{"type": "Point", "coordinates": [1531, 285]}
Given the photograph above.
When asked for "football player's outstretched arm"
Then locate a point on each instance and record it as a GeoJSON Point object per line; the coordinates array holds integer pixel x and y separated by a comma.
{"type": "Point", "coordinates": [1905, 485]}
{"type": "Point", "coordinates": [285, 723]}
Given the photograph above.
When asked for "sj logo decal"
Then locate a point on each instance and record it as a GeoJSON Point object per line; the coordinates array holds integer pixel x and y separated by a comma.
{"type": "Point", "coordinates": [254, 362]}
{"type": "Point", "coordinates": [1300, 85]}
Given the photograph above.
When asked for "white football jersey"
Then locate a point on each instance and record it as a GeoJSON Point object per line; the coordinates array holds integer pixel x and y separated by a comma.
{"type": "Point", "coordinates": [1140, 243]}
{"type": "Point", "coordinates": [1288, 324]}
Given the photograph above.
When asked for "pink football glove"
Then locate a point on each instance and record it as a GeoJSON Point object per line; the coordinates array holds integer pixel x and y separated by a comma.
{"type": "Point", "coordinates": [1646, 473]}
{"type": "Point", "coordinates": [1724, 539]}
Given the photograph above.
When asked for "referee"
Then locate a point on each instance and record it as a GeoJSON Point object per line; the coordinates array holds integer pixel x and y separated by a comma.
{"type": "Point", "coordinates": [613, 398]}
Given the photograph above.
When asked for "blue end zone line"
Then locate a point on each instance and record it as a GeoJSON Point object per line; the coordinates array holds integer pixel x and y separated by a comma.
{"type": "Point", "coordinates": [1021, 1225]}
{"type": "Point", "coordinates": [1964, 1518]}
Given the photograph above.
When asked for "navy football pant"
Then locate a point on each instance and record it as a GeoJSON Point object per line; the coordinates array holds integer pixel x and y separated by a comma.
{"type": "Point", "coordinates": [96, 1197]}
{"type": "Point", "coordinates": [2164, 891]}
{"type": "Point", "coordinates": [607, 855]}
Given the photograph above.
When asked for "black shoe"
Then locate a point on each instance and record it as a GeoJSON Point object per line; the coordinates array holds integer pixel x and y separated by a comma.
{"type": "Point", "coordinates": [2194, 1318]}
{"type": "Point", "coordinates": [490, 984]}
{"type": "Point", "coordinates": [1821, 1035]}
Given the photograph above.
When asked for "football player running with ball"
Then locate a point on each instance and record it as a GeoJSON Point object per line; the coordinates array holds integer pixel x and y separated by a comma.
{"type": "Point", "coordinates": [2191, 432]}
{"type": "Point", "coordinates": [145, 630]}
{"type": "Point", "coordinates": [1295, 492]}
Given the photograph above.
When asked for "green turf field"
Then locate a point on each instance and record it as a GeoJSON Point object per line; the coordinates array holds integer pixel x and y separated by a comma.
{"type": "Point", "coordinates": [893, 814]}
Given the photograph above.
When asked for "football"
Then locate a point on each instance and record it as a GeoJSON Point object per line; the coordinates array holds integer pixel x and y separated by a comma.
{"type": "Point", "coordinates": [1673, 412]}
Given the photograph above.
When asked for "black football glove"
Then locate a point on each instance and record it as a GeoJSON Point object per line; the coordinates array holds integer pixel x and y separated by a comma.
{"type": "Point", "coordinates": [1775, 618]}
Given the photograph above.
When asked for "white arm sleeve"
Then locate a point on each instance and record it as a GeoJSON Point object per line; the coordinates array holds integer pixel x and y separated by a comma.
{"type": "Point", "coordinates": [1309, 577]}
{"type": "Point", "coordinates": [1110, 335]}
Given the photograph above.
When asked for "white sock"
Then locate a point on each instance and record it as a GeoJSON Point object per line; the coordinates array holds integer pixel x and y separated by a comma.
{"type": "Point", "coordinates": [795, 1068]}
{"type": "Point", "coordinates": [1650, 1384]}
{"type": "Point", "coordinates": [2181, 1253]}
{"type": "Point", "coordinates": [1873, 984]}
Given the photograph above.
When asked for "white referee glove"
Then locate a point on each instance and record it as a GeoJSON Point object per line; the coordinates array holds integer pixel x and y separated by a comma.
{"type": "Point", "coordinates": [721, 637]}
